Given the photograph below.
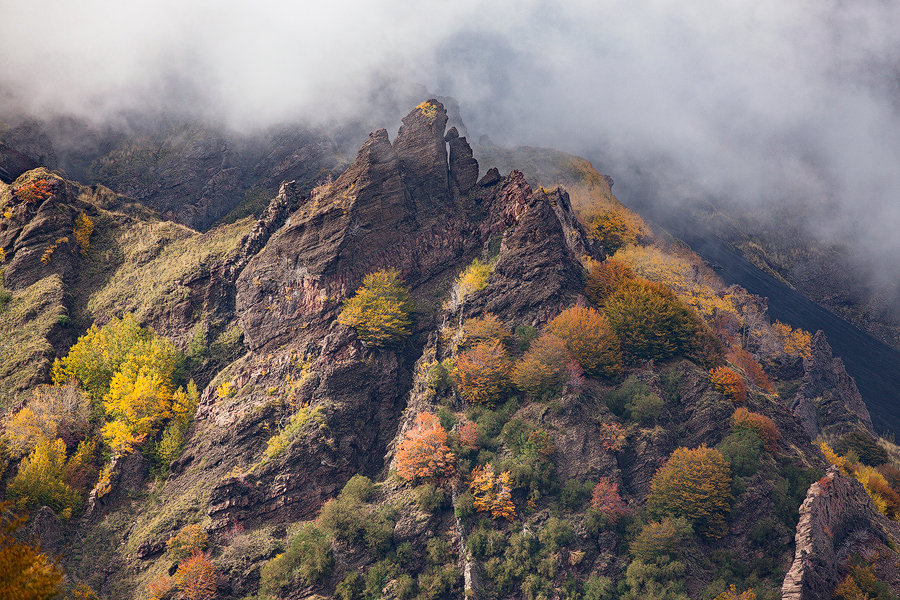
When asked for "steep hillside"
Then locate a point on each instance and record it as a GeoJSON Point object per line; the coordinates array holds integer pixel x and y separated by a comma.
{"type": "Point", "coordinates": [415, 382]}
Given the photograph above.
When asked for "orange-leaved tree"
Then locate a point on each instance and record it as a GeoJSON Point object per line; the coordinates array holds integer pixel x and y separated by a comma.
{"type": "Point", "coordinates": [589, 339]}
{"type": "Point", "coordinates": [764, 427]}
{"type": "Point", "coordinates": [381, 310]}
{"type": "Point", "coordinates": [694, 484]}
{"type": "Point", "coordinates": [196, 577]}
{"type": "Point", "coordinates": [604, 278]}
{"type": "Point", "coordinates": [542, 370]}
{"type": "Point", "coordinates": [423, 454]}
{"type": "Point", "coordinates": [492, 493]}
{"type": "Point", "coordinates": [729, 383]}
{"type": "Point", "coordinates": [606, 500]}
{"type": "Point", "coordinates": [482, 374]}
{"type": "Point", "coordinates": [650, 321]}
{"type": "Point", "coordinates": [746, 361]}
{"type": "Point", "coordinates": [612, 436]}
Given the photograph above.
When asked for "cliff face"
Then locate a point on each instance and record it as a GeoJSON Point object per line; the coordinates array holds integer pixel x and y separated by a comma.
{"type": "Point", "coordinates": [255, 306]}
{"type": "Point", "coordinates": [837, 519]}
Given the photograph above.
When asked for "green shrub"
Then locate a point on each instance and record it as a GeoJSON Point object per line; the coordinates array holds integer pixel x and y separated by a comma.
{"type": "Point", "coordinates": [650, 321]}
{"type": "Point", "coordinates": [867, 449]}
{"type": "Point", "coordinates": [661, 539]}
{"type": "Point", "coordinates": [465, 505]}
{"type": "Point", "coordinates": [345, 517]}
{"type": "Point", "coordinates": [525, 334]}
{"type": "Point", "coordinates": [378, 529]}
{"type": "Point", "coordinates": [381, 310]}
{"type": "Point", "coordinates": [378, 576]}
{"type": "Point", "coordinates": [661, 580]}
{"type": "Point", "coordinates": [405, 588]}
{"type": "Point", "coordinates": [429, 498]}
{"type": "Point", "coordinates": [359, 488]}
{"type": "Point", "coordinates": [617, 400]}
{"type": "Point", "coordinates": [644, 408]}
{"type": "Point", "coordinates": [350, 587]}
{"type": "Point", "coordinates": [599, 588]}
{"type": "Point", "coordinates": [555, 534]}
{"type": "Point", "coordinates": [437, 582]}
{"type": "Point", "coordinates": [308, 556]}
{"type": "Point", "coordinates": [742, 449]}
{"type": "Point", "coordinates": [438, 377]}
{"type": "Point", "coordinates": [437, 551]}
{"type": "Point", "coordinates": [575, 493]}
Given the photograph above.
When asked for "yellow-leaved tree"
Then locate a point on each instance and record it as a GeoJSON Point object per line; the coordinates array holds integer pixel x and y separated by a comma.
{"type": "Point", "coordinates": [26, 573]}
{"type": "Point", "coordinates": [381, 310]}
{"type": "Point", "coordinates": [493, 493]}
{"type": "Point", "coordinates": [694, 484]}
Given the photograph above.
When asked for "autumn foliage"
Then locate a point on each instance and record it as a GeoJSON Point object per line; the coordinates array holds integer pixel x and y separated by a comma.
{"type": "Point", "coordinates": [482, 374]}
{"type": "Point", "coordinates": [606, 500]}
{"type": "Point", "coordinates": [612, 436]}
{"type": "Point", "coordinates": [751, 367]}
{"type": "Point", "coordinates": [604, 278]}
{"type": "Point", "coordinates": [733, 594]}
{"type": "Point", "coordinates": [694, 484]}
{"type": "Point", "coordinates": [764, 428]}
{"type": "Point", "coordinates": [588, 337]}
{"type": "Point", "coordinates": [196, 577]}
{"type": "Point", "coordinates": [729, 383]}
{"type": "Point", "coordinates": [796, 342]}
{"type": "Point", "coordinates": [423, 454]}
{"type": "Point", "coordinates": [25, 572]}
{"type": "Point", "coordinates": [493, 493]}
{"type": "Point", "coordinates": [34, 192]}
{"type": "Point", "coordinates": [650, 321]}
{"type": "Point", "coordinates": [381, 310]}
{"type": "Point", "coordinates": [543, 367]}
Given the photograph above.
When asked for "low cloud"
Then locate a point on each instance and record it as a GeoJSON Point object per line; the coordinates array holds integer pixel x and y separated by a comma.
{"type": "Point", "coordinates": [761, 102]}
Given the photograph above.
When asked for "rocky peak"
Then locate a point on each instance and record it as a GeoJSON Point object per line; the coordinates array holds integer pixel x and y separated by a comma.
{"type": "Point", "coordinates": [463, 167]}
{"type": "Point", "coordinates": [828, 400]}
{"type": "Point", "coordinates": [423, 157]}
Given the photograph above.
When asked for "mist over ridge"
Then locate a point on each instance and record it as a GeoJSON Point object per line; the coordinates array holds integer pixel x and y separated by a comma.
{"type": "Point", "coordinates": [763, 103]}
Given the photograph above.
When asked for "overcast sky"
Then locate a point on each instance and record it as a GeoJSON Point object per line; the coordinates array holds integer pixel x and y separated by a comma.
{"type": "Point", "coordinates": [755, 100]}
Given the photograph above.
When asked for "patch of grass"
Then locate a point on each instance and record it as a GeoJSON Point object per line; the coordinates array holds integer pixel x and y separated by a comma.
{"type": "Point", "coordinates": [25, 353]}
{"type": "Point", "coordinates": [143, 267]}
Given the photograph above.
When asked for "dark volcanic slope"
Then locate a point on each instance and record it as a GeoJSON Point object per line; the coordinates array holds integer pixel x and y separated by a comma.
{"type": "Point", "coordinates": [874, 364]}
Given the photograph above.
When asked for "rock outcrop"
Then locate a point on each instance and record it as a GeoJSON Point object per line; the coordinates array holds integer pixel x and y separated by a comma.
{"type": "Point", "coordinates": [828, 400]}
{"type": "Point", "coordinates": [836, 519]}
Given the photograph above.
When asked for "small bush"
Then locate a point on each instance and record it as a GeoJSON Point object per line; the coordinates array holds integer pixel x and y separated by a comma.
{"type": "Point", "coordinates": [350, 587]}
{"type": "Point", "coordinates": [587, 336]}
{"type": "Point", "coordinates": [381, 310]}
{"type": "Point", "coordinates": [51, 412]}
{"type": "Point", "coordinates": [650, 321]}
{"type": "Point", "coordinates": [661, 539]}
{"type": "Point", "coordinates": [729, 383]}
{"type": "Point", "coordinates": [82, 232]}
{"type": "Point", "coordinates": [472, 279]}
{"type": "Point", "coordinates": [761, 425]}
{"type": "Point", "coordinates": [359, 487]}
{"type": "Point", "coordinates": [867, 449]}
{"type": "Point", "coordinates": [574, 494]}
{"type": "Point", "coordinates": [694, 484]}
{"type": "Point", "coordinates": [616, 228]}
{"type": "Point", "coordinates": [482, 374]}
{"type": "Point", "coordinates": [188, 540]}
{"type": "Point", "coordinates": [555, 534]}
{"type": "Point", "coordinates": [345, 517]}
{"type": "Point", "coordinates": [465, 505]}
{"type": "Point", "coordinates": [612, 437]}
{"type": "Point", "coordinates": [487, 329]}
{"type": "Point", "coordinates": [644, 408]}
{"type": "Point", "coordinates": [492, 493]}
{"type": "Point", "coordinates": [429, 498]}
{"type": "Point", "coordinates": [40, 480]}
{"type": "Point", "coordinates": [742, 449]}
{"type": "Point", "coordinates": [196, 577]}
{"type": "Point", "coordinates": [308, 555]}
